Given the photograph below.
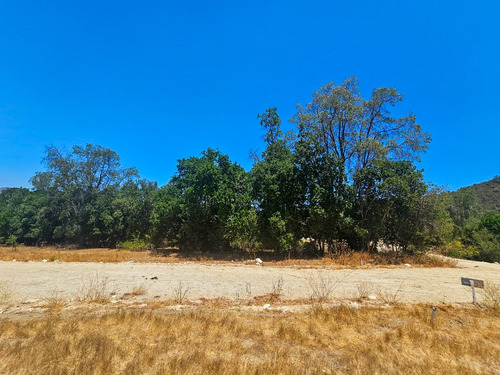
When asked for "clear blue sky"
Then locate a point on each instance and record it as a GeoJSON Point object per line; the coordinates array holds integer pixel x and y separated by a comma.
{"type": "Point", "coordinates": [157, 81]}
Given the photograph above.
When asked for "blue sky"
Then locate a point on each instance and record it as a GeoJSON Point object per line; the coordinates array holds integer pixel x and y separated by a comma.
{"type": "Point", "coordinates": [157, 81]}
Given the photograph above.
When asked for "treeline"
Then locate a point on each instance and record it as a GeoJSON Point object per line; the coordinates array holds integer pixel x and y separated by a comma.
{"type": "Point", "coordinates": [475, 221]}
{"type": "Point", "coordinates": [344, 177]}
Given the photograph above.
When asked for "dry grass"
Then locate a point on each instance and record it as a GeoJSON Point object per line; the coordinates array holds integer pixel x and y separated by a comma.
{"type": "Point", "coordinates": [338, 340]}
{"type": "Point", "coordinates": [54, 301]}
{"type": "Point", "coordinates": [321, 286]}
{"type": "Point", "coordinates": [180, 292]}
{"type": "Point", "coordinates": [5, 292]}
{"type": "Point", "coordinates": [94, 290]}
{"type": "Point", "coordinates": [363, 290]}
{"type": "Point", "coordinates": [355, 259]}
{"type": "Point", "coordinates": [390, 297]}
{"type": "Point", "coordinates": [492, 295]}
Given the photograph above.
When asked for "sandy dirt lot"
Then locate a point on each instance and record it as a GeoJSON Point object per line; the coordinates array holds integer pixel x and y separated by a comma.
{"type": "Point", "coordinates": [36, 281]}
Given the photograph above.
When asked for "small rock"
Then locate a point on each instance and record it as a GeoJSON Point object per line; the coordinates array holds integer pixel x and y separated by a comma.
{"type": "Point", "coordinates": [258, 262]}
{"type": "Point", "coordinates": [285, 309]}
{"type": "Point", "coordinates": [154, 278]}
{"type": "Point", "coordinates": [372, 297]}
{"type": "Point", "coordinates": [101, 262]}
{"type": "Point", "coordinates": [14, 260]}
{"type": "Point", "coordinates": [44, 260]}
{"type": "Point", "coordinates": [143, 305]}
{"type": "Point", "coordinates": [130, 261]}
{"type": "Point", "coordinates": [407, 265]}
{"type": "Point", "coordinates": [266, 307]}
{"type": "Point", "coordinates": [354, 305]}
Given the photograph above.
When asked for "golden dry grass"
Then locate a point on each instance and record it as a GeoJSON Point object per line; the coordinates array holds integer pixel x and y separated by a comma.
{"type": "Point", "coordinates": [356, 259]}
{"type": "Point", "coordinates": [337, 340]}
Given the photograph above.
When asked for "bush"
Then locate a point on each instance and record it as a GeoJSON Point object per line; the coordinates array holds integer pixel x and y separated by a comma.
{"type": "Point", "coordinates": [135, 244]}
{"type": "Point", "coordinates": [488, 245]}
{"type": "Point", "coordinates": [12, 241]}
{"type": "Point", "coordinates": [456, 249]}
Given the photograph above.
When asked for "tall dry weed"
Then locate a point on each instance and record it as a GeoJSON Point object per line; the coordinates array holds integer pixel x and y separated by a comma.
{"type": "Point", "coordinates": [321, 286]}
{"type": "Point", "coordinates": [492, 295]}
{"type": "Point", "coordinates": [94, 289]}
{"type": "Point", "coordinates": [6, 293]}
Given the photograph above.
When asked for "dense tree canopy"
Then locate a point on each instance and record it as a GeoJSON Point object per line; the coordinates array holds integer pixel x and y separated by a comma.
{"type": "Point", "coordinates": [206, 205]}
{"type": "Point", "coordinates": [344, 177]}
{"type": "Point", "coordinates": [84, 198]}
{"type": "Point", "coordinates": [357, 131]}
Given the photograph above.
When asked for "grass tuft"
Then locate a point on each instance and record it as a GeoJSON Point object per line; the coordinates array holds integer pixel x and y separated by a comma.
{"type": "Point", "coordinates": [94, 290]}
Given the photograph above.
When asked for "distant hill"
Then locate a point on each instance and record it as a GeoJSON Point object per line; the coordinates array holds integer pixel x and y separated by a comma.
{"type": "Point", "coordinates": [3, 188]}
{"type": "Point", "coordinates": [486, 194]}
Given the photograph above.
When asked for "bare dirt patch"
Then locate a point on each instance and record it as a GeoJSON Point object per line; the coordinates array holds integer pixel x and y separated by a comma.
{"type": "Point", "coordinates": [33, 282]}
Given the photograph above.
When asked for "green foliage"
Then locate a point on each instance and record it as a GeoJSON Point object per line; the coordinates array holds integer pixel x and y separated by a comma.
{"type": "Point", "coordinates": [275, 191]}
{"type": "Point", "coordinates": [487, 195]}
{"type": "Point", "coordinates": [272, 122]}
{"type": "Point", "coordinates": [488, 245]}
{"type": "Point", "coordinates": [355, 168]}
{"type": "Point", "coordinates": [476, 219]}
{"type": "Point", "coordinates": [345, 175]}
{"type": "Point", "coordinates": [436, 224]}
{"type": "Point", "coordinates": [457, 249]}
{"type": "Point", "coordinates": [83, 198]}
{"type": "Point", "coordinates": [491, 222]}
{"type": "Point", "coordinates": [389, 195]}
{"type": "Point", "coordinates": [206, 205]}
{"type": "Point", "coordinates": [90, 195]}
{"type": "Point", "coordinates": [486, 237]}
{"type": "Point", "coordinates": [135, 244]}
{"type": "Point", "coordinates": [282, 239]}
{"type": "Point", "coordinates": [12, 242]}
{"type": "Point", "coordinates": [357, 131]}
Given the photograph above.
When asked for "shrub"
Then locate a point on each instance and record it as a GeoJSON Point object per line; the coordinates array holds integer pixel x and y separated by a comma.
{"type": "Point", "coordinates": [135, 244]}
{"type": "Point", "coordinates": [12, 241]}
{"type": "Point", "coordinates": [457, 249]}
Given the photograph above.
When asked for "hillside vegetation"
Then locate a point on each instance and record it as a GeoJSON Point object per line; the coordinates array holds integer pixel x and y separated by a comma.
{"type": "Point", "coordinates": [475, 214]}
{"type": "Point", "coordinates": [486, 194]}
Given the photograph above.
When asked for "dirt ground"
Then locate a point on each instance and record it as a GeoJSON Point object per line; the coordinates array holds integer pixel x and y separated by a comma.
{"type": "Point", "coordinates": [31, 282]}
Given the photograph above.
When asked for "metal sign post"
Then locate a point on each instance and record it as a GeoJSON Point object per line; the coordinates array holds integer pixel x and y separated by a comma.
{"type": "Point", "coordinates": [473, 283]}
{"type": "Point", "coordinates": [432, 314]}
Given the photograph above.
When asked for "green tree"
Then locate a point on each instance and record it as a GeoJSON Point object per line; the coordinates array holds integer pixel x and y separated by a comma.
{"type": "Point", "coordinates": [206, 205]}
{"type": "Point", "coordinates": [25, 215]}
{"type": "Point", "coordinates": [276, 188]}
{"type": "Point", "coordinates": [463, 209]}
{"type": "Point", "coordinates": [358, 131]}
{"type": "Point", "coordinates": [345, 148]}
{"type": "Point", "coordinates": [436, 223]}
{"type": "Point", "coordinates": [76, 185]}
{"type": "Point", "coordinates": [324, 193]}
{"type": "Point", "coordinates": [486, 237]}
{"type": "Point", "coordinates": [389, 195]}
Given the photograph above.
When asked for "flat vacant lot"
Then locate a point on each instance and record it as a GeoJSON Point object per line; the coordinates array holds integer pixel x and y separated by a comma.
{"type": "Point", "coordinates": [35, 281]}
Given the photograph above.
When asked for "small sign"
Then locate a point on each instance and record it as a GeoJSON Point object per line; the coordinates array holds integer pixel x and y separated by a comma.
{"type": "Point", "coordinates": [477, 283]}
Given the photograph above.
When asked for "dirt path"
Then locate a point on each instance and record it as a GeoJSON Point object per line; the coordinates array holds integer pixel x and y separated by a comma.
{"type": "Point", "coordinates": [35, 281]}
